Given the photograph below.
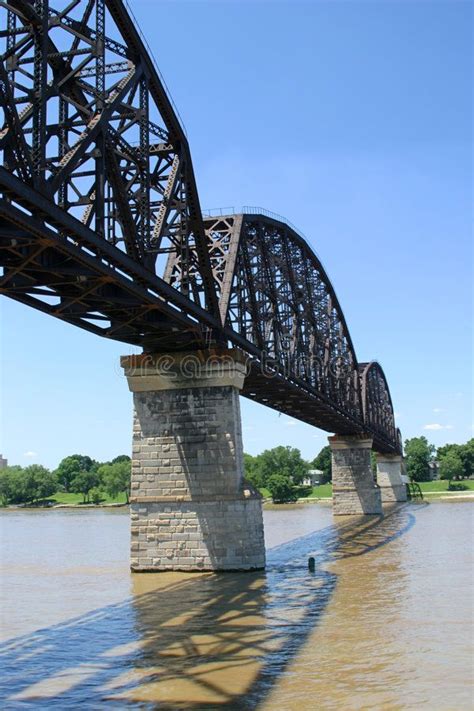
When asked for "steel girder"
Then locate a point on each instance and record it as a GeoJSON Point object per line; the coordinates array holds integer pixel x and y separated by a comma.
{"type": "Point", "coordinates": [377, 403]}
{"type": "Point", "coordinates": [89, 125]}
{"type": "Point", "coordinates": [100, 224]}
{"type": "Point", "coordinates": [274, 292]}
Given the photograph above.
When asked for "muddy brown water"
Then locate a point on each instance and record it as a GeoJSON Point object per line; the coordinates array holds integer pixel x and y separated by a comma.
{"type": "Point", "coordinates": [384, 622]}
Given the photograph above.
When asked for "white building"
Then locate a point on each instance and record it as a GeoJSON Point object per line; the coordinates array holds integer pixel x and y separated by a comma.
{"type": "Point", "coordinates": [313, 478]}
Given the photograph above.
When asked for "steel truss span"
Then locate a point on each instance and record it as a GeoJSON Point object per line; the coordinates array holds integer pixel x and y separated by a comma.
{"type": "Point", "coordinates": [101, 225]}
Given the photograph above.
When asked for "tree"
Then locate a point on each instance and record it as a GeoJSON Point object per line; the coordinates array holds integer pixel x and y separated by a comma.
{"type": "Point", "coordinates": [39, 483]}
{"type": "Point", "coordinates": [286, 461]}
{"type": "Point", "coordinates": [281, 488]}
{"type": "Point", "coordinates": [23, 486]}
{"type": "Point", "coordinates": [115, 477]}
{"type": "Point", "coordinates": [251, 470]}
{"type": "Point", "coordinates": [464, 451]}
{"type": "Point", "coordinates": [451, 466]}
{"type": "Point", "coordinates": [324, 462]}
{"type": "Point", "coordinates": [121, 458]}
{"type": "Point", "coordinates": [418, 454]}
{"type": "Point", "coordinates": [95, 496]}
{"type": "Point", "coordinates": [442, 451]}
{"type": "Point", "coordinates": [467, 457]}
{"type": "Point", "coordinates": [11, 485]}
{"type": "Point", "coordinates": [71, 466]}
{"type": "Point", "coordinates": [83, 482]}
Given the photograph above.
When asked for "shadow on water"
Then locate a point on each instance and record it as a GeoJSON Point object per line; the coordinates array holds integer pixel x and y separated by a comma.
{"type": "Point", "coordinates": [197, 641]}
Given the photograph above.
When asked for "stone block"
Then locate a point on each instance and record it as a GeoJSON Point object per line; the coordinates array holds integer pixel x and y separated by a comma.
{"type": "Point", "coordinates": [354, 489]}
{"type": "Point", "coordinates": [187, 474]}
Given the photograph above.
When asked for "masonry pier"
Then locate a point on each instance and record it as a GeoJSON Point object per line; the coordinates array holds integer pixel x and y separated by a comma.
{"type": "Point", "coordinates": [191, 508]}
{"type": "Point", "coordinates": [389, 478]}
{"type": "Point", "coordinates": [354, 490]}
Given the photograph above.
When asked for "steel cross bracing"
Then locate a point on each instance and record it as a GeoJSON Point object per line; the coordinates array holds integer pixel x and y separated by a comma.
{"type": "Point", "coordinates": [101, 226]}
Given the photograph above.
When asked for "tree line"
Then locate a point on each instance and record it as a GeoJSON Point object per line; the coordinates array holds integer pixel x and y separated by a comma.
{"type": "Point", "coordinates": [77, 474]}
{"type": "Point", "coordinates": [455, 461]}
{"type": "Point", "coordinates": [280, 470]}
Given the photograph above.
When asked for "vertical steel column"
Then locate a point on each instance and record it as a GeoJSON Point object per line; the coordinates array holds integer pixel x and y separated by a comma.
{"type": "Point", "coordinates": [11, 27]}
{"type": "Point", "coordinates": [39, 90]}
{"type": "Point", "coordinates": [100, 147]}
{"type": "Point", "coordinates": [144, 218]}
{"type": "Point", "coordinates": [63, 148]}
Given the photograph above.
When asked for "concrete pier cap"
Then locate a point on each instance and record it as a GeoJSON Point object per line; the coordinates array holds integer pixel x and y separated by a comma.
{"type": "Point", "coordinates": [354, 490]}
{"type": "Point", "coordinates": [191, 508]}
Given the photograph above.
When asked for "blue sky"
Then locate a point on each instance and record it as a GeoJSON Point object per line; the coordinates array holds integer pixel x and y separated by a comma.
{"type": "Point", "coordinates": [352, 119]}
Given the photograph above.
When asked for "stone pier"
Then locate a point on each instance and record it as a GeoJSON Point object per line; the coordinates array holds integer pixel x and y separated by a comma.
{"type": "Point", "coordinates": [354, 490]}
{"type": "Point", "coordinates": [191, 508]}
{"type": "Point", "coordinates": [389, 478]}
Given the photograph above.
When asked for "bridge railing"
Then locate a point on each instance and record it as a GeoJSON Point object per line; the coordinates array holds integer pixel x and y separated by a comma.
{"type": "Point", "coordinates": [256, 210]}
{"type": "Point", "coordinates": [251, 210]}
{"type": "Point", "coordinates": [218, 211]}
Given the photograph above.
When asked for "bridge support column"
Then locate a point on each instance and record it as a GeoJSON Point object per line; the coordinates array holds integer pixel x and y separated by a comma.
{"type": "Point", "coordinates": [354, 490]}
{"type": "Point", "coordinates": [191, 508]}
{"type": "Point", "coordinates": [389, 478]}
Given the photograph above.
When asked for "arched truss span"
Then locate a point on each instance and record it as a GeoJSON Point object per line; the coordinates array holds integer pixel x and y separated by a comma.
{"type": "Point", "coordinates": [274, 293]}
{"type": "Point", "coordinates": [377, 403]}
{"type": "Point", "coordinates": [100, 224]}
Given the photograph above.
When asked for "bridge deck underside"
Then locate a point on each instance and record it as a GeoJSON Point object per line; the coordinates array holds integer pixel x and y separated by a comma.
{"type": "Point", "coordinates": [57, 265]}
{"type": "Point", "coordinates": [77, 283]}
{"type": "Point", "coordinates": [279, 393]}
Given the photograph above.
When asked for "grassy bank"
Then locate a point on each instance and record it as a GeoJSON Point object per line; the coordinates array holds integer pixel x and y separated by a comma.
{"type": "Point", "coordinates": [316, 492]}
{"type": "Point", "coordinates": [441, 486]}
{"type": "Point", "coordinates": [60, 497]}
{"type": "Point", "coordinates": [324, 491]}
{"type": "Point", "coordinates": [428, 487]}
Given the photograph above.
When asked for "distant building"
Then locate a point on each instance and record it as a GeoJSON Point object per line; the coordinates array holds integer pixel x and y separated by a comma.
{"type": "Point", "coordinates": [313, 478]}
{"type": "Point", "coordinates": [434, 470]}
{"type": "Point", "coordinates": [3, 462]}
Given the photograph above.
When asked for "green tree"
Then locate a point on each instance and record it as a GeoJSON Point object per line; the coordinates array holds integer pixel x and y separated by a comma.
{"type": "Point", "coordinates": [115, 477]}
{"type": "Point", "coordinates": [83, 482]}
{"type": "Point", "coordinates": [24, 486]}
{"type": "Point", "coordinates": [252, 471]}
{"type": "Point", "coordinates": [418, 454]}
{"type": "Point", "coordinates": [39, 483]}
{"type": "Point", "coordinates": [323, 461]}
{"type": "Point", "coordinates": [441, 452]}
{"type": "Point", "coordinates": [95, 495]}
{"type": "Point", "coordinates": [451, 466]}
{"type": "Point", "coordinates": [464, 451]}
{"type": "Point", "coordinates": [281, 488]}
{"type": "Point", "coordinates": [71, 466]}
{"type": "Point", "coordinates": [11, 485]}
{"type": "Point", "coordinates": [467, 457]}
{"type": "Point", "coordinates": [286, 461]}
{"type": "Point", "coordinates": [121, 458]}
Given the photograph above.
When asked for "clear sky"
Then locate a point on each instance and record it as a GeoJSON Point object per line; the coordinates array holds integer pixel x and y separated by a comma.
{"type": "Point", "coordinates": [352, 119]}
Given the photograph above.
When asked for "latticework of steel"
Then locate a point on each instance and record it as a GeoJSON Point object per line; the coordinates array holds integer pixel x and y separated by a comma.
{"type": "Point", "coordinates": [101, 226]}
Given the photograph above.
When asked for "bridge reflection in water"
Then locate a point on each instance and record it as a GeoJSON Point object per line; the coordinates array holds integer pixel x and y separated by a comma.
{"type": "Point", "coordinates": [202, 640]}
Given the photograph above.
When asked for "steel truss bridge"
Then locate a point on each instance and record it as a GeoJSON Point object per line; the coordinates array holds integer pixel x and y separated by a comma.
{"type": "Point", "coordinates": [101, 225]}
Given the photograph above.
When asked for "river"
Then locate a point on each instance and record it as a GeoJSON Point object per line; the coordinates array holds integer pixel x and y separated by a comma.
{"type": "Point", "coordinates": [384, 622]}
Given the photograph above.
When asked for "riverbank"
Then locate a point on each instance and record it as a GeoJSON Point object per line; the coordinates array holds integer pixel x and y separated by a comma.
{"type": "Point", "coordinates": [267, 501]}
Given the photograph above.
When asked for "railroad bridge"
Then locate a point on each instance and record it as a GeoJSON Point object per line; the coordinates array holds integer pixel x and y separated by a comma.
{"type": "Point", "coordinates": [101, 227]}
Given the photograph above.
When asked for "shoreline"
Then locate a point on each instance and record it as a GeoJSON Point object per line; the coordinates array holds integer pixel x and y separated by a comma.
{"type": "Point", "coordinates": [435, 495]}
